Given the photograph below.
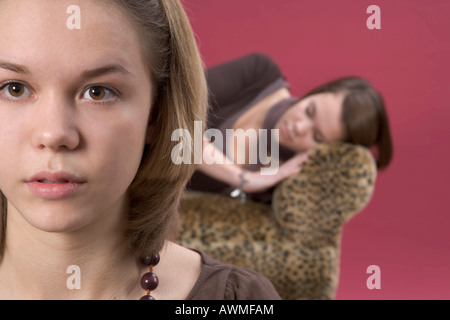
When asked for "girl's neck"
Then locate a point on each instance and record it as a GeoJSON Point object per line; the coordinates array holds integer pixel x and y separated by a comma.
{"type": "Point", "coordinates": [43, 265]}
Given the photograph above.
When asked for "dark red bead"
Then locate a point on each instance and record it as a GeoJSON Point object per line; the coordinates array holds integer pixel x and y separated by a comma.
{"type": "Point", "coordinates": [147, 297]}
{"type": "Point", "coordinates": [150, 260]}
{"type": "Point", "coordinates": [149, 281]}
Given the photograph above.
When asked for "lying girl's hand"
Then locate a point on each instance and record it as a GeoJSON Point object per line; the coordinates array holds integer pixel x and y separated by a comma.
{"type": "Point", "coordinates": [256, 182]}
{"type": "Point", "coordinates": [292, 166]}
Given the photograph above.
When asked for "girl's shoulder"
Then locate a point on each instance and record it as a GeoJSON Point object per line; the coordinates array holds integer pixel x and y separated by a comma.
{"type": "Point", "coordinates": [221, 281]}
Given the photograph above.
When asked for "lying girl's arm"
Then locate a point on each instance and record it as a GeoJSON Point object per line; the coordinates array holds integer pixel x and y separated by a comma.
{"type": "Point", "coordinates": [232, 174]}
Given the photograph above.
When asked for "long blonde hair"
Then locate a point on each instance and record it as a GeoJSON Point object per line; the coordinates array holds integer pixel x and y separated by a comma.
{"type": "Point", "coordinates": [179, 98]}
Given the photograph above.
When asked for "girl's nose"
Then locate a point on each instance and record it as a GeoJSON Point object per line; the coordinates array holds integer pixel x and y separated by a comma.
{"type": "Point", "coordinates": [54, 126]}
{"type": "Point", "coordinates": [302, 127]}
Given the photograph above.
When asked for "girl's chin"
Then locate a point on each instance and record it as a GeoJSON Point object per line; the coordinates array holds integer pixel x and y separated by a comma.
{"type": "Point", "coordinates": [55, 219]}
{"type": "Point", "coordinates": [54, 223]}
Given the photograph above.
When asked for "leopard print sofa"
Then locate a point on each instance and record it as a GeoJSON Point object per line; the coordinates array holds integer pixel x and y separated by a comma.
{"type": "Point", "coordinates": [295, 242]}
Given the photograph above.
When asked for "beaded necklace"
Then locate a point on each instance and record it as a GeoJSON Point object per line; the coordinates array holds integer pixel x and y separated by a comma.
{"type": "Point", "coordinates": [149, 280]}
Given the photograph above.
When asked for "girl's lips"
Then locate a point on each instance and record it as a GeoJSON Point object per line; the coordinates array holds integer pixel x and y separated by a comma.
{"type": "Point", "coordinates": [54, 186]}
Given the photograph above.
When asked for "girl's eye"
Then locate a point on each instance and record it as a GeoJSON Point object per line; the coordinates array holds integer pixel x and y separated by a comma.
{"type": "Point", "coordinates": [99, 93]}
{"type": "Point", "coordinates": [317, 138]}
{"type": "Point", "coordinates": [14, 90]}
{"type": "Point", "coordinates": [310, 110]}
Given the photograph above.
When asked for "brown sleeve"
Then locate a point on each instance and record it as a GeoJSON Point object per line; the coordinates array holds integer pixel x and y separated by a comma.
{"type": "Point", "coordinates": [219, 281]}
{"type": "Point", "coordinates": [244, 284]}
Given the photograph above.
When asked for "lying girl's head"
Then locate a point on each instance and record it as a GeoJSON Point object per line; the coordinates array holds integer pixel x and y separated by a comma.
{"type": "Point", "coordinates": [79, 105]}
{"type": "Point", "coordinates": [347, 109]}
{"type": "Point", "coordinates": [363, 114]}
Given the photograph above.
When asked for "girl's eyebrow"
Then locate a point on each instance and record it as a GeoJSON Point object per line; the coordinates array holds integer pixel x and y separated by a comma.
{"type": "Point", "coordinates": [111, 68]}
{"type": "Point", "coordinates": [14, 67]}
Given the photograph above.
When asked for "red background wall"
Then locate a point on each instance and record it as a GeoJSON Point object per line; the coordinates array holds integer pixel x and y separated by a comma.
{"type": "Point", "coordinates": [405, 228]}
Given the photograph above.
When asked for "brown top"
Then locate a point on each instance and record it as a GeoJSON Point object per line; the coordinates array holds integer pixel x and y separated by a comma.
{"type": "Point", "coordinates": [220, 281]}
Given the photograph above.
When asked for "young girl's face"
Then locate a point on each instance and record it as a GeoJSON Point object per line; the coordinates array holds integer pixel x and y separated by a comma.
{"type": "Point", "coordinates": [313, 120]}
{"type": "Point", "coordinates": [74, 108]}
